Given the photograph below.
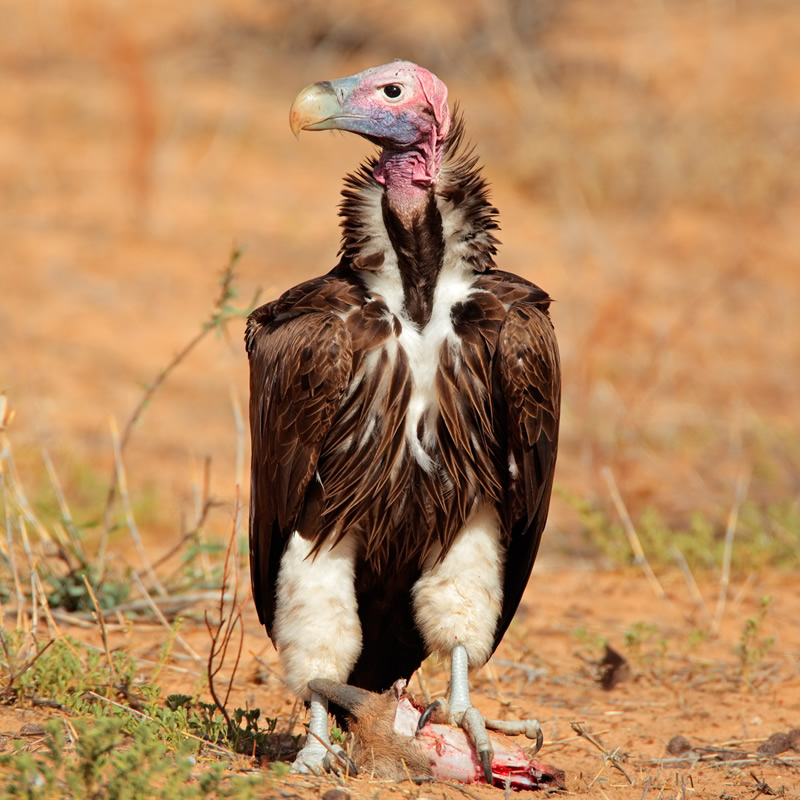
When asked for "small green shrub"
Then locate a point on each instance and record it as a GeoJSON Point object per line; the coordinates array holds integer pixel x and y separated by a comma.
{"type": "Point", "coordinates": [111, 765]}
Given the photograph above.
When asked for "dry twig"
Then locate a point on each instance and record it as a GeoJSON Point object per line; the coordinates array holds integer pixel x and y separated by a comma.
{"type": "Point", "coordinates": [122, 484]}
{"type": "Point", "coordinates": [630, 531]}
{"type": "Point", "coordinates": [163, 620]}
{"type": "Point", "coordinates": [609, 757]}
{"type": "Point", "coordinates": [221, 632]}
{"type": "Point", "coordinates": [733, 518]}
{"type": "Point", "coordinates": [102, 625]}
{"type": "Point", "coordinates": [220, 314]}
{"type": "Point", "coordinates": [142, 715]}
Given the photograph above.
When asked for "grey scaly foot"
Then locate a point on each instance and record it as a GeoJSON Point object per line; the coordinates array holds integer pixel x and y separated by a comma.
{"type": "Point", "coordinates": [312, 757]}
{"type": "Point", "coordinates": [460, 711]}
{"type": "Point", "coordinates": [317, 755]}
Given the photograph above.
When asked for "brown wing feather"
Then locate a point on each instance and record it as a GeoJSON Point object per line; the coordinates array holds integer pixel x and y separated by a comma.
{"type": "Point", "coordinates": [527, 382]}
{"type": "Point", "coordinates": [299, 371]}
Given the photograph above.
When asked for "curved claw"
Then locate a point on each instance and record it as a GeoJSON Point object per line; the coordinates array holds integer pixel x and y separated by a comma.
{"type": "Point", "coordinates": [530, 727]}
{"type": "Point", "coordinates": [337, 761]}
{"type": "Point", "coordinates": [438, 706]}
{"type": "Point", "coordinates": [474, 726]}
{"type": "Point", "coordinates": [539, 737]}
{"type": "Point", "coordinates": [486, 763]}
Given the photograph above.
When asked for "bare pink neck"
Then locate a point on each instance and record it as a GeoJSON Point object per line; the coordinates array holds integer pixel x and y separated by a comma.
{"type": "Point", "coordinates": [408, 176]}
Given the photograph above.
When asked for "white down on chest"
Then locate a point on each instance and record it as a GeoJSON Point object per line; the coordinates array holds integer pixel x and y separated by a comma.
{"type": "Point", "coordinates": [423, 345]}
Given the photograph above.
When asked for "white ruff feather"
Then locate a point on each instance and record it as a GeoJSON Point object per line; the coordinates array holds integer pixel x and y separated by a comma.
{"type": "Point", "coordinates": [458, 600]}
{"type": "Point", "coordinates": [422, 346]}
{"type": "Point", "coordinates": [317, 630]}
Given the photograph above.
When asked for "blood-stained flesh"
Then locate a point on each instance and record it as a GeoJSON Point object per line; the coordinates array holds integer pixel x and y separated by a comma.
{"type": "Point", "coordinates": [453, 757]}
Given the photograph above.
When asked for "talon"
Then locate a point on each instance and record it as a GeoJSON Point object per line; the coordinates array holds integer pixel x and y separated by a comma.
{"type": "Point", "coordinates": [530, 727]}
{"type": "Point", "coordinates": [474, 726]}
{"type": "Point", "coordinates": [347, 762]}
{"type": "Point", "coordinates": [424, 718]}
{"type": "Point", "coordinates": [539, 737]}
{"type": "Point", "coordinates": [486, 763]}
{"type": "Point", "coordinates": [437, 705]}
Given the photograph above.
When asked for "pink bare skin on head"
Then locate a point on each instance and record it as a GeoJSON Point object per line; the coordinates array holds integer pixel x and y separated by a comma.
{"type": "Point", "coordinates": [400, 106]}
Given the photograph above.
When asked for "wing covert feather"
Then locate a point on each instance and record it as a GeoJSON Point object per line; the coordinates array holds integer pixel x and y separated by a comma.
{"type": "Point", "coordinates": [300, 369]}
{"type": "Point", "coordinates": [527, 379]}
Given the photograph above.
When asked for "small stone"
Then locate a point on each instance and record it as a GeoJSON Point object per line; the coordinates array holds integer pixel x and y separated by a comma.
{"type": "Point", "coordinates": [613, 669]}
{"type": "Point", "coordinates": [32, 729]}
{"type": "Point", "coordinates": [678, 745]}
{"type": "Point", "coordinates": [794, 739]}
{"type": "Point", "coordinates": [777, 743]}
{"type": "Point", "coordinates": [336, 794]}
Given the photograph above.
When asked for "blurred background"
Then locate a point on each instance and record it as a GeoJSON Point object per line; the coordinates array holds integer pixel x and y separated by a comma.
{"type": "Point", "coordinates": [643, 155]}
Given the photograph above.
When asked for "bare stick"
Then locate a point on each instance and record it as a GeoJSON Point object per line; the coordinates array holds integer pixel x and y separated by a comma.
{"type": "Point", "coordinates": [222, 632]}
{"type": "Point", "coordinates": [51, 623]}
{"type": "Point", "coordinates": [610, 757]}
{"type": "Point", "coordinates": [14, 674]}
{"type": "Point", "coordinates": [102, 624]}
{"type": "Point", "coordinates": [168, 605]}
{"type": "Point", "coordinates": [201, 516]}
{"type": "Point", "coordinates": [694, 590]}
{"type": "Point", "coordinates": [272, 671]}
{"type": "Point", "coordinates": [142, 715]}
{"type": "Point", "coordinates": [13, 562]}
{"type": "Point", "coordinates": [56, 484]}
{"type": "Point", "coordinates": [630, 532]}
{"type": "Point", "coordinates": [37, 590]}
{"type": "Point", "coordinates": [34, 597]}
{"type": "Point", "coordinates": [66, 514]}
{"type": "Point", "coordinates": [349, 766]}
{"type": "Point", "coordinates": [220, 314]}
{"type": "Point", "coordinates": [122, 482]}
{"type": "Point", "coordinates": [163, 620]}
{"type": "Point", "coordinates": [733, 518]}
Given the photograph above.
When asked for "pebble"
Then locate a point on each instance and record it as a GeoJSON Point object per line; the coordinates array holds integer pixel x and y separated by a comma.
{"type": "Point", "coordinates": [678, 745]}
{"type": "Point", "coordinates": [335, 794]}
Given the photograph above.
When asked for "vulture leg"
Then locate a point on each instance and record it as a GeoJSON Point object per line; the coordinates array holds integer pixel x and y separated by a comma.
{"type": "Point", "coordinates": [458, 598]}
{"type": "Point", "coordinates": [464, 713]}
{"type": "Point", "coordinates": [317, 754]}
{"type": "Point", "coordinates": [458, 710]}
{"type": "Point", "coordinates": [314, 756]}
{"type": "Point", "coordinates": [317, 632]}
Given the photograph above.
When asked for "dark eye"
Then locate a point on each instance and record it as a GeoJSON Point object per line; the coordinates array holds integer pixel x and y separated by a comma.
{"type": "Point", "coordinates": [392, 91]}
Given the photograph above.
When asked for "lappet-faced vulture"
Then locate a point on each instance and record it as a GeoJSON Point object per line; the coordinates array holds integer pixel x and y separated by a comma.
{"type": "Point", "coordinates": [404, 413]}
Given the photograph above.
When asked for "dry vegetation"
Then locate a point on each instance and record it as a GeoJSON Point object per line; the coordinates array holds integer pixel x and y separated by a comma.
{"type": "Point", "coordinates": [643, 156]}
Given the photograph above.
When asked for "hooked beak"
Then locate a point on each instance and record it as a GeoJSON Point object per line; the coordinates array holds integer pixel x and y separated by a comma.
{"type": "Point", "coordinates": [318, 108]}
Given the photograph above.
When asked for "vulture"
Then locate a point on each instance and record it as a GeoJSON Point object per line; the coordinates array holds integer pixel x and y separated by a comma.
{"type": "Point", "coordinates": [404, 412]}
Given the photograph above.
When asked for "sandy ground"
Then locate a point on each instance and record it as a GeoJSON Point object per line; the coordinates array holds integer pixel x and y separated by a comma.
{"type": "Point", "coordinates": [644, 163]}
{"type": "Point", "coordinates": [683, 680]}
